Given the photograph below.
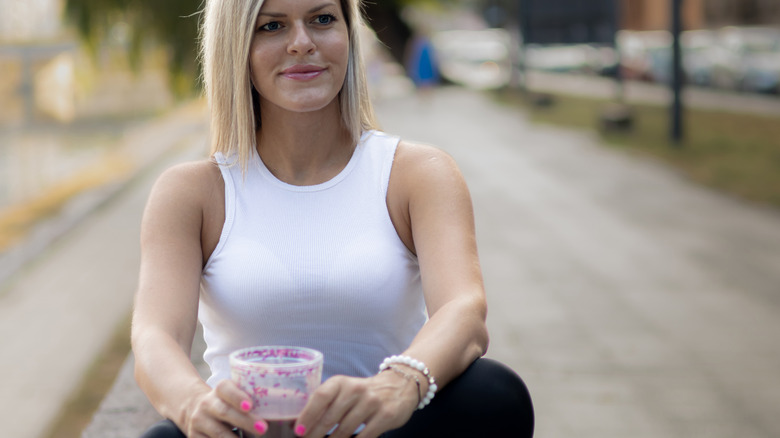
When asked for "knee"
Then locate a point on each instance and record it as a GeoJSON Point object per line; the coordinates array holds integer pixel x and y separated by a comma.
{"type": "Point", "coordinates": [488, 399]}
{"type": "Point", "coordinates": [497, 383]}
{"type": "Point", "coordinates": [495, 393]}
{"type": "Point", "coordinates": [163, 429]}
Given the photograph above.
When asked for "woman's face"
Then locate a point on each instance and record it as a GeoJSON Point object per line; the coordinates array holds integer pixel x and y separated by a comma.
{"type": "Point", "coordinates": [299, 53]}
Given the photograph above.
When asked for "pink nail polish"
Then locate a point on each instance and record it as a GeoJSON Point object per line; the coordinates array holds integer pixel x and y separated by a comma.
{"type": "Point", "coordinates": [300, 430]}
{"type": "Point", "coordinates": [246, 405]}
{"type": "Point", "coordinates": [261, 427]}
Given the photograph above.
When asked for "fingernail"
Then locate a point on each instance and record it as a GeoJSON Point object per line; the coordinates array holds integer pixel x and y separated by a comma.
{"type": "Point", "coordinates": [261, 427]}
{"type": "Point", "coordinates": [300, 430]}
{"type": "Point", "coordinates": [246, 405]}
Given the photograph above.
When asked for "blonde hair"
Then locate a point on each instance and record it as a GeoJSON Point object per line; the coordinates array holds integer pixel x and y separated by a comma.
{"type": "Point", "coordinates": [226, 37]}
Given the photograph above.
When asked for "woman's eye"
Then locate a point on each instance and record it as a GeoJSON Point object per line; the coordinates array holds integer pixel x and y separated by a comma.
{"type": "Point", "coordinates": [325, 19]}
{"type": "Point", "coordinates": [271, 27]}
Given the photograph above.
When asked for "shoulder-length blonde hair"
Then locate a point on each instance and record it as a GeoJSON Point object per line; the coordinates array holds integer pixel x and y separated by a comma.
{"type": "Point", "coordinates": [226, 35]}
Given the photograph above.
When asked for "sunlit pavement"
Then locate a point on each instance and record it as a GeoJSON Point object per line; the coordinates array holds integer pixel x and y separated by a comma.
{"type": "Point", "coordinates": [58, 312]}
{"type": "Point", "coordinates": [632, 302]}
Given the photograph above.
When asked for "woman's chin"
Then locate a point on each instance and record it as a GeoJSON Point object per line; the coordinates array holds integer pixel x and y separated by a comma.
{"type": "Point", "coordinates": [309, 105]}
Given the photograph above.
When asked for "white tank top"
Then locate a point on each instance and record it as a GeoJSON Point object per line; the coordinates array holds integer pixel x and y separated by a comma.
{"type": "Point", "coordinates": [317, 266]}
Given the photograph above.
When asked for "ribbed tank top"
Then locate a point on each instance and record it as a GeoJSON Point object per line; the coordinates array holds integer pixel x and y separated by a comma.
{"type": "Point", "coordinates": [317, 266]}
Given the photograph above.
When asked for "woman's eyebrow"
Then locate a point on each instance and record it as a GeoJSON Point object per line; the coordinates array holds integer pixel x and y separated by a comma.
{"type": "Point", "coordinates": [310, 11]}
{"type": "Point", "coordinates": [323, 6]}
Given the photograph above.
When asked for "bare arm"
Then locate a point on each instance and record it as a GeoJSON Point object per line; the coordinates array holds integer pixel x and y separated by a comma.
{"type": "Point", "coordinates": [431, 209]}
{"type": "Point", "coordinates": [166, 305]}
{"type": "Point", "coordinates": [441, 222]}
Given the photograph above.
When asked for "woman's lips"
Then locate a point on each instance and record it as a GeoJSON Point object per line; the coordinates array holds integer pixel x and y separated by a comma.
{"type": "Point", "coordinates": [302, 72]}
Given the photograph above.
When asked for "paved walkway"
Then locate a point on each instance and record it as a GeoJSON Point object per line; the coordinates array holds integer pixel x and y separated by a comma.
{"type": "Point", "coordinates": [58, 312]}
{"type": "Point", "coordinates": [633, 302]}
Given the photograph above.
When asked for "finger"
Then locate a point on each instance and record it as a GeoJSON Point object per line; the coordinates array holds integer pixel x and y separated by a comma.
{"type": "Point", "coordinates": [347, 412]}
{"type": "Point", "coordinates": [233, 395]}
{"type": "Point", "coordinates": [374, 429]}
{"type": "Point", "coordinates": [381, 420]}
{"type": "Point", "coordinates": [318, 402]}
{"type": "Point", "coordinates": [359, 414]}
{"type": "Point", "coordinates": [228, 414]}
{"type": "Point", "coordinates": [386, 414]}
{"type": "Point", "coordinates": [210, 428]}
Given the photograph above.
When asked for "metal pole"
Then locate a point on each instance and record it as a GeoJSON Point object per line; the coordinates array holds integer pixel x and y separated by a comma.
{"type": "Point", "coordinates": [617, 24]}
{"type": "Point", "coordinates": [677, 74]}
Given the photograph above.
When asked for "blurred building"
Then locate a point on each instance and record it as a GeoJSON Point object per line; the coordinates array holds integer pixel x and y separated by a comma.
{"type": "Point", "coordinates": [655, 14]}
{"type": "Point", "coordinates": [742, 12]}
{"type": "Point", "coordinates": [53, 89]}
{"type": "Point", "coordinates": [30, 20]}
{"type": "Point", "coordinates": [46, 75]}
{"type": "Point", "coordinates": [699, 14]}
{"type": "Point", "coordinates": [37, 63]}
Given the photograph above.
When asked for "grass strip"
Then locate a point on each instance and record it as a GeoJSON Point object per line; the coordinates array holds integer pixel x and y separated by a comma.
{"type": "Point", "coordinates": [734, 153]}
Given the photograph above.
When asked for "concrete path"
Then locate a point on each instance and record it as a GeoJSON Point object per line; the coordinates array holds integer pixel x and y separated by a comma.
{"type": "Point", "coordinates": [633, 302]}
{"type": "Point", "coordinates": [60, 310]}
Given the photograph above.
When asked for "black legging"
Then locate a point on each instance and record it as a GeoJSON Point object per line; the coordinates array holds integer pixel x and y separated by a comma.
{"type": "Point", "coordinates": [487, 400]}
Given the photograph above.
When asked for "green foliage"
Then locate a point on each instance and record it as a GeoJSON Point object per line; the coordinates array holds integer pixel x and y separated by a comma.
{"type": "Point", "coordinates": [172, 24]}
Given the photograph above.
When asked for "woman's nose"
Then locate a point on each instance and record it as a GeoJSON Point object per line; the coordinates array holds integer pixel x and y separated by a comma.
{"type": "Point", "coordinates": [301, 40]}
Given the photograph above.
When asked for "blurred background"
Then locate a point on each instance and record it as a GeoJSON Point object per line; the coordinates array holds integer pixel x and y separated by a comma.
{"type": "Point", "coordinates": [94, 93]}
{"type": "Point", "coordinates": [75, 73]}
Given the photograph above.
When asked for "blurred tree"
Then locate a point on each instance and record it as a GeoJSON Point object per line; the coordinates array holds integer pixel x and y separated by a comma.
{"type": "Point", "coordinates": [385, 18]}
{"type": "Point", "coordinates": [174, 25]}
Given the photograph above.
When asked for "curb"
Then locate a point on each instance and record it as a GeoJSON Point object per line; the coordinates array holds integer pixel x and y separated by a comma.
{"type": "Point", "coordinates": [50, 230]}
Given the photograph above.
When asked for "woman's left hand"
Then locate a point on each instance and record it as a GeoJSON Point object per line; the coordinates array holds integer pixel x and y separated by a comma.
{"type": "Point", "coordinates": [382, 402]}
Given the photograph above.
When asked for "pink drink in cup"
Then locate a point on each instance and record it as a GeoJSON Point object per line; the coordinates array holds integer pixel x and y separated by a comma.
{"type": "Point", "coordinates": [280, 380]}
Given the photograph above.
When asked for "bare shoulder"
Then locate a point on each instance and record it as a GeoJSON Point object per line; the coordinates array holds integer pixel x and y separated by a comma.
{"type": "Point", "coordinates": [184, 191]}
{"type": "Point", "coordinates": [193, 175]}
{"type": "Point", "coordinates": [191, 181]}
{"type": "Point", "coordinates": [426, 187]}
{"type": "Point", "coordinates": [417, 162]}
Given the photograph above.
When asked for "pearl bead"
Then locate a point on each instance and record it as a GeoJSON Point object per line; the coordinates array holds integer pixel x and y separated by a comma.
{"type": "Point", "coordinates": [415, 364]}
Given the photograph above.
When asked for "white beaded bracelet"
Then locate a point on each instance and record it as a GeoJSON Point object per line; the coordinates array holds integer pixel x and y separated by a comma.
{"type": "Point", "coordinates": [419, 366]}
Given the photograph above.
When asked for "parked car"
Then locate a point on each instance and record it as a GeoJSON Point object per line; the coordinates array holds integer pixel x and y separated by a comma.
{"type": "Point", "coordinates": [647, 55]}
{"type": "Point", "coordinates": [697, 58]}
{"type": "Point", "coordinates": [636, 50]}
{"type": "Point", "coordinates": [697, 47]}
{"type": "Point", "coordinates": [570, 58]}
{"type": "Point", "coordinates": [478, 59]}
{"type": "Point", "coordinates": [748, 58]}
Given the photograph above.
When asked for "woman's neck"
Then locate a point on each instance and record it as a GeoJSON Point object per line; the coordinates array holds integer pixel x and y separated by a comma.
{"type": "Point", "coordinates": [304, 148]}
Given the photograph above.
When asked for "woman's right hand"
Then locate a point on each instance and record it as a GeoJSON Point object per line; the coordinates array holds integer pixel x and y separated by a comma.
{"type": "Point", "coordinates": [214, 413]}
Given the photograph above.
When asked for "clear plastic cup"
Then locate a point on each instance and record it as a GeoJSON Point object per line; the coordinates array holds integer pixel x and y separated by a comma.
{"type": "Point", "coordinates": [280, 380]}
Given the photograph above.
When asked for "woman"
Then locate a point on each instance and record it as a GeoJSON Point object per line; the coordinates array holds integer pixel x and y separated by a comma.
{"type": "Point", "coordinates": [311, 228]}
